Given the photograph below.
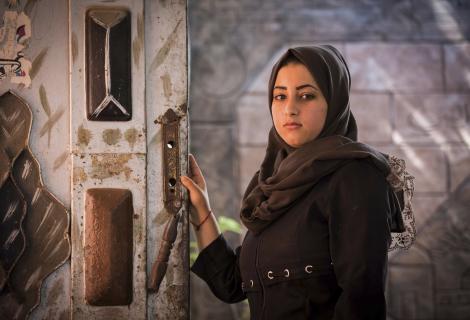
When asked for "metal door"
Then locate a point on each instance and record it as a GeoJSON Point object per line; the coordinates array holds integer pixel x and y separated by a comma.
{"type": "Point", "coordinates": [93, 138]}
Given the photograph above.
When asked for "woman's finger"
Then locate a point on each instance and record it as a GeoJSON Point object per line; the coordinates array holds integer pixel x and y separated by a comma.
{"type": "Point", "coordinates": [195, 170]}
{"type": "Point", "coordinates": [196, 173]}
{"type": "Point", "coordinates": [189, 184]}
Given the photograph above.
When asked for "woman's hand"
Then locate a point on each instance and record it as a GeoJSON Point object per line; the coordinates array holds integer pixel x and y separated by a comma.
{"type": "Point", "coordinates": [196, 185]}
{"type": "Point", "coordinates": [206, 227]}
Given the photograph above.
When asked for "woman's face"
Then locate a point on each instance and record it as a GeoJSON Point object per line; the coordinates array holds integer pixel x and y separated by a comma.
{"type": "Point", "coordinates": [298, 107]}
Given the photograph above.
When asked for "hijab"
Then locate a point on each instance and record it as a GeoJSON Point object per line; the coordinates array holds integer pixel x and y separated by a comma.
{"type": "Point", "coordinates": [287, 173]}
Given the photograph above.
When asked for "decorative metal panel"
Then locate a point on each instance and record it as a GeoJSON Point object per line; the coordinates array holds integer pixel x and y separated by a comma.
{"type": "Point", "coordinates": [108, 65]}
{"type": "Point", "coordinates": [12, 241]}
{"type": "Point", "coordinates": [108, 171]}
{"type": "Point", "coordinates": [15, 122]}
{"type": "Point", "coordinates": [109, 152]}
{"type": "Point", "coordinates": [4, 166]}
{"type": "Point", "coordinates": [108, 246]}
{"type": "Point", "coordinates": [45, 225]}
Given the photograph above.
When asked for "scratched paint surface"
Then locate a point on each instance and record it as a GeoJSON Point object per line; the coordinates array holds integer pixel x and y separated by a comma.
{"type": "Point", "coordinates": [44, 227]}
{"type": "Point", "coordinates": [64, 142]}
{"type": "Point", "coordinates": [48, 52]}
{"type": "Point", "coordinates": [49, 140]}
{"type": "Point", "coordinates": [166, 58]}
{"type": "Point", "coordinates": [108, 155]}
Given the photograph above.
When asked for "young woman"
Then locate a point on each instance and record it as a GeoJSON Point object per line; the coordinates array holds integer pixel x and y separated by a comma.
{"type": "Point", "coordinates": [319, 211]}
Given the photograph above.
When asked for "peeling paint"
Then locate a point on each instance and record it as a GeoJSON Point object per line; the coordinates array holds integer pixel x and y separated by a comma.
{"type": "Point", "coordinates": [110, 164]}
{"type": "Point", "coordinates": [167, 90]}
{"type": "Point", "coordinates": [165, 49]}
{"type": "Point", "coordinates": [139, 231]}
{"type": "Point", "coordinates": [169, 274]}
{"type": "Point", "coordinates": [79, 175]}
{"type": "Point", "coordinates": [74, 47]}
{"type": "Point", "coordinates": [15, 33]}
{"type": "Point", "coordinates": [131, 136]}
{"type": "Point", "coordinates": [176, 307]}
{"type": "Point", "coordinates": [184, 108]}
{"type": "Point", "coordinates": [111, 136]}
{"type": "Point", "coordinates": [84, 136]}
{"type": "Point", "coordinates": [37, 63]}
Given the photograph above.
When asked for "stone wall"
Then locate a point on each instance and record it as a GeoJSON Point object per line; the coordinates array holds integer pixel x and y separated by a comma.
{"type": "Point", "coordinates": [410, 68]}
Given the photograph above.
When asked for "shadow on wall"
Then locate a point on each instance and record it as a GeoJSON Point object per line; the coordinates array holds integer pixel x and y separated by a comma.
{"type": "Point", "coordinates": [432, 279]}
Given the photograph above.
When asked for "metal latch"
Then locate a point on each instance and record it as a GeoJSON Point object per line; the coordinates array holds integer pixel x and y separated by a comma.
{"type": "Point", "coordinates": [172, 195]}
{"type": "Point", "coordinates": [171, 162]}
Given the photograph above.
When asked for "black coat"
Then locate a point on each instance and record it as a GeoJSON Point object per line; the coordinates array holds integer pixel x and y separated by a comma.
{"type": "Point", "coordinates": [326, 258]}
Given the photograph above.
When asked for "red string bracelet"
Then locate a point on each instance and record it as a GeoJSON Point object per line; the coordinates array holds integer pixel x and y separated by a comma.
{"type": "Point", "coordinates": [198, 226]}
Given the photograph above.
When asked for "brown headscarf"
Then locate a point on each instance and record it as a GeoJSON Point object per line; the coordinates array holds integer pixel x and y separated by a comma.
{"type": "Point", "coordinates": [287, 173]}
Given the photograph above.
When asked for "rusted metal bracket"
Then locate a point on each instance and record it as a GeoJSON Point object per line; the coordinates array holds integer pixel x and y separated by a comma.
{"type": "Point", "coordinates": [172, 195]}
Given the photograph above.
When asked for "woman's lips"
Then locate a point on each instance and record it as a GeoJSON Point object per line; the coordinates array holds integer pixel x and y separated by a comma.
{"type": "Point", "coordinates": [292, 125]}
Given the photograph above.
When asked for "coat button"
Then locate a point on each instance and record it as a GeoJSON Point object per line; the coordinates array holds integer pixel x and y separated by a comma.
{"type": "Point", "coordinates": [286, 271]}
{"type": "Point", "coordinates": [252, 283]}
{"type": "Point", "coordinates": [308, 268]}
{"type": "Point", "coordinates": [270, 275]}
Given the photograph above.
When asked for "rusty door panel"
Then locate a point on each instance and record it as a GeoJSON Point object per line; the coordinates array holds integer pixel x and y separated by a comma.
{"type": "Point", "coordinates": [100, 73]}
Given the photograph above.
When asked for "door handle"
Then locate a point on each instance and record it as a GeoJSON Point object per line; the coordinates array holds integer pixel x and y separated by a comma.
{"type": "Point", "coordinates": [172, 195]}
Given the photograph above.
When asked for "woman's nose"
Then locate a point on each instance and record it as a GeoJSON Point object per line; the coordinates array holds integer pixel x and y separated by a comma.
{"type": "Point", "coordinates": [291, 107]}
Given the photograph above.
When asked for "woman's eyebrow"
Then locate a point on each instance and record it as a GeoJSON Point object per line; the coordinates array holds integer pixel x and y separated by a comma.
{"type": "Point", "coordinates": [298, 88]}
{"type": "Point", "coordinates": [305, 86]}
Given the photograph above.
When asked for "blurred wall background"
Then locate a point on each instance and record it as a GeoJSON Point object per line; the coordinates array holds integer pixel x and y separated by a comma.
{"type": "Point", "coordinates": [410, 67]}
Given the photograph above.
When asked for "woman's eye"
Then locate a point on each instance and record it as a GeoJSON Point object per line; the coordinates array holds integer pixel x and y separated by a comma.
{"type": "Point", "coordinates": [307, 96]}
{"type": "Point", "coordinates": [279, 97]}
